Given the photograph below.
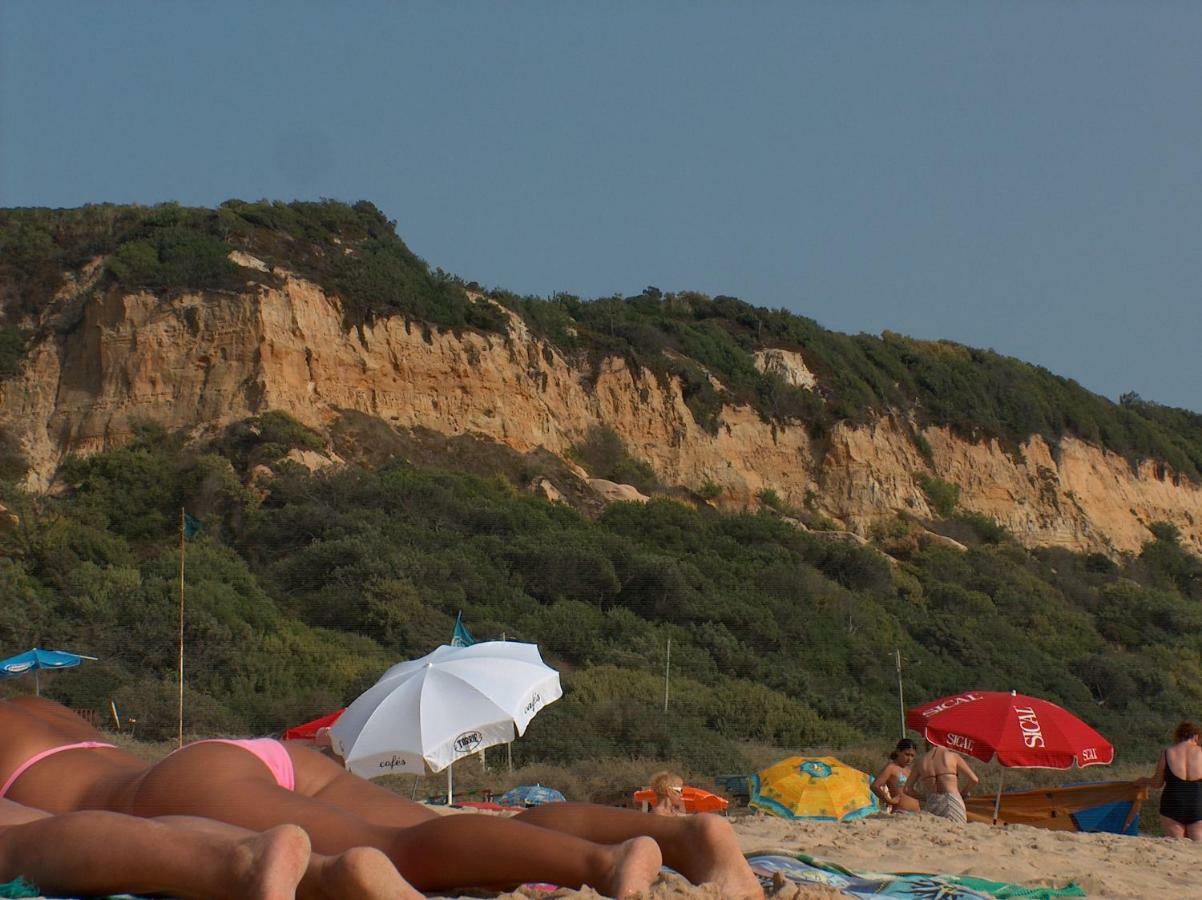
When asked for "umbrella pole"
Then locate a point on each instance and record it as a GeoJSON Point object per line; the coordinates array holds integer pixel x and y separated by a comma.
{"type": "Point", "coordinates": [37, 684]}
{"type": "Point", "coordinates": [997, 804]}
{"type": "Point", "coordinates": [901, 702]}
{"type": "Point", "coordinates": [449, 794]}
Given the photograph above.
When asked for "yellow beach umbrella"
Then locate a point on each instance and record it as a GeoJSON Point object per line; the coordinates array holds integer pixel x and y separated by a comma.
{"type": "Point", "coordinates": [813, 787]}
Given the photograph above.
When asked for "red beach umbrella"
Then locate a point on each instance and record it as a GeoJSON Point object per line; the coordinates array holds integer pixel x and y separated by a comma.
{"type": "Point", "coordinates": [308, 731]}
{"type": "Point", "coordinates": [1021, 731]}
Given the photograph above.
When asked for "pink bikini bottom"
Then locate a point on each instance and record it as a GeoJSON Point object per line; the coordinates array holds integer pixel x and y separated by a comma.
{"type": "Point", "coordinates": [270, 751]}
{"type": "Point", "coordinates": [38, 757]}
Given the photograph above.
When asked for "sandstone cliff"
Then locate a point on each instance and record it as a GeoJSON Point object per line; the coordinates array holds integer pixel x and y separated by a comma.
{"type": "Point", "coordinates": [202, 361]}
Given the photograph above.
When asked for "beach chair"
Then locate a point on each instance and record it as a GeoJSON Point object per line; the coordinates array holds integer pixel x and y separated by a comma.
{"type": "Point", "coordinates": [737, 786]}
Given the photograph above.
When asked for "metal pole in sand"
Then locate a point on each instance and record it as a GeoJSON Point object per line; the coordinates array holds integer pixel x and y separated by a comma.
{"type": "Point", "coordinates": [667, 670]}
{"type": "Point", "coordinates": [450, 795]}
{"type": "Point", "coordinates": [181, 626]}
{"type": "Point", "coordinates": [900, 700]}
{"type": "Point", "coordinates": [997, 804]}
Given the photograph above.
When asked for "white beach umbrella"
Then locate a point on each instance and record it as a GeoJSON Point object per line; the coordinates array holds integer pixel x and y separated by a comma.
{"type": "Point", "coordinates": [423, 715]}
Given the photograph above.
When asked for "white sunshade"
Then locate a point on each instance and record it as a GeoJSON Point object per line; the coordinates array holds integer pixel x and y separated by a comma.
{"type": "Point", "coordinates": [424, 714]}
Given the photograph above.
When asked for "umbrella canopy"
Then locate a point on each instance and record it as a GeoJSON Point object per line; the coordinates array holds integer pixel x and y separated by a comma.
{"type": "Point", "coordinates": [806, 787]}
{"type": "Point", "coordinates": [531, 795]}
{"type": "Point", "coordinates": [423, 715]}
{"type": "Point", "coordinates": [308, 731]}
{"type": "Point", "coordinates": [37, 659]}
{"type": "Point", "coordinates": [1021, 731]}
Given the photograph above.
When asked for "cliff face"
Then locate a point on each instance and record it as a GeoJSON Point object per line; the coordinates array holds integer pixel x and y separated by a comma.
{"type": "Point", "coordinates": [202, 361]}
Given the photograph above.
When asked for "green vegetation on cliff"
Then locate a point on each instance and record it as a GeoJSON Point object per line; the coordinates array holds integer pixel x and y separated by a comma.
{"type": "Point", "coordinates": [354, 252]}
{"type": "Point", "coordinates": [298, 599]}
{"type": "Point", "coordinates": [351, 251]}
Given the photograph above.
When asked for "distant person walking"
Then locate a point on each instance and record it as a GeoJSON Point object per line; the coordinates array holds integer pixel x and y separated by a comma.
{"type": "Point", "coordinates": [890, 784]}
{"type": "Point", "coordinates": [935, 779]}
{"type": "Point", "coordinates": [1179, 772]}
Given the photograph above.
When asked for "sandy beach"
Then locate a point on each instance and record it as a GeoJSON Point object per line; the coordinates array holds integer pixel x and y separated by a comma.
{"type": "Point", "coordinates": [1104, 865]}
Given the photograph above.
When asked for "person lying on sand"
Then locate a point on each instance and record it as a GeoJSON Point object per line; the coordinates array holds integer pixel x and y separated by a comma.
{"type": "Point", "coordinates": [936, 776]}
{"type": "Point", "coordinates": [890, 783]}
{"type": "Point", "coordinates": [54, 760]}
{"type": "Point", "coordinates": [100, 853]}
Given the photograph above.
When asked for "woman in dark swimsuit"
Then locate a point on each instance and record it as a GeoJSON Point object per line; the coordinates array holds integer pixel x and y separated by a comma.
{"type": "Point", "coordinates": [1179, 772]}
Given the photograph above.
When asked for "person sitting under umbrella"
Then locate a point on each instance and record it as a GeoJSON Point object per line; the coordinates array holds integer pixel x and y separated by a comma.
{"type": "Point", "coordinates": [935, 779]}
{"type": "Point", "coordinates": [55, 761]}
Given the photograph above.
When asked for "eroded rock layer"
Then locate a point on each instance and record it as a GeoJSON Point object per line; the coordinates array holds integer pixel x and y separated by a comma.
{"type": "Point", "coordinates": [202, 361]}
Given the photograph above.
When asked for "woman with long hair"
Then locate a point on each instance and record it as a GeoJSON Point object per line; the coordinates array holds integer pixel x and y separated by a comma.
{"type": "Point", "coordinates": [890, 783]}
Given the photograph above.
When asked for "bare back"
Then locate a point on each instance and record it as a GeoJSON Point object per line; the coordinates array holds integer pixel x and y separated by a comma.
{"type": "Point", "coordinates": [936, 772]}
{"type": "Point", "coordinates": [1185, 760]}
{"type": "Point", "coordinates": [75, 779]}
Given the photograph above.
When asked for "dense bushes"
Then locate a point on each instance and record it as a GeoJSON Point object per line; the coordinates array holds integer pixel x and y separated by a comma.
{"type": "Point", "coordinates": [298, 600]}
{"type": "Point", "coordinates": [351, 251]}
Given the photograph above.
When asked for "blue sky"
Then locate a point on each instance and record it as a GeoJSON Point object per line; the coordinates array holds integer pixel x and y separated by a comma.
{"type": "Point", "coordinates": [1022, 176]}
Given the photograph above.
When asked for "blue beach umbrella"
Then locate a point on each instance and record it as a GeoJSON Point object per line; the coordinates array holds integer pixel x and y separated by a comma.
{"type": "Point", "coordinates": [37, 659]}
{"type": "Point", "coordinates": [530, 795]}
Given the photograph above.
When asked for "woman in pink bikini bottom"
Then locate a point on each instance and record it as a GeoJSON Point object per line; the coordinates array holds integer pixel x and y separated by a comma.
{"type": "Point", "coordinates": [260, 785]}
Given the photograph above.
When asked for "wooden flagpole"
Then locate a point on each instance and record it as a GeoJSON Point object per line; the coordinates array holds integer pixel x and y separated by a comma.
{"type": "Point", "coordinates": [667, 670]}
{"type": "Point", "coordinates": [181, 626]}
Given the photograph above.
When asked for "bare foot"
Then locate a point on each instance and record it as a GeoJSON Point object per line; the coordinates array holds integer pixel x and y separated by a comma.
{"type": "Point", "coordinates": [714, 857]}
{"type": "Point", "coordinates": [271, 864]}
{"type": "Point", "coordinates": [364, 873]}
{"type": "Point", "coordinates": [636, 864]}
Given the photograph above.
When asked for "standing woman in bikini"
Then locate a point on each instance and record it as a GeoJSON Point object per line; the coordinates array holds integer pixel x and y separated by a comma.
{"type": "Point", "coordinates": [53, 763]}
{"type": "Point", "coordinates": [1179, 772]}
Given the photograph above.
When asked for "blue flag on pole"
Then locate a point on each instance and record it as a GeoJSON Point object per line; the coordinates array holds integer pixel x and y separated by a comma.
{"type": "Point", "coordinates": [191, 526]}
{"type": "Point", "coordinates": [462, 637]}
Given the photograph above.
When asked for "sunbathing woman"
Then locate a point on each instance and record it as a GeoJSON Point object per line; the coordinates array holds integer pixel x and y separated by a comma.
{"type": "Point", "coordinates": [98, 853]}
{"type": "Point", "coordinates": [669, 794]}
{"type": "Point", "coordinates": [51, 761]}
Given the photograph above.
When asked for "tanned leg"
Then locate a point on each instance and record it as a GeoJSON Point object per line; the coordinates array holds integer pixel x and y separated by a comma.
{"type": "Point", "coordinates": [221, 782]}
{"type": "Point", "coordinates": [364, 873]}
{"type": "Point", "coordinates": [107, 853]}
{"type": "Point", "coordinates": [1172, 828]}
{"type": "Point", "coordinates": [701, 847]}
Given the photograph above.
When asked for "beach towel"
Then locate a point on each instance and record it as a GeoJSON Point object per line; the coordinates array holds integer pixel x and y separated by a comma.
{"type": "Point", "coordinates": [18, 888]}
{"type": "Point", "coordinates": [799, 868]}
